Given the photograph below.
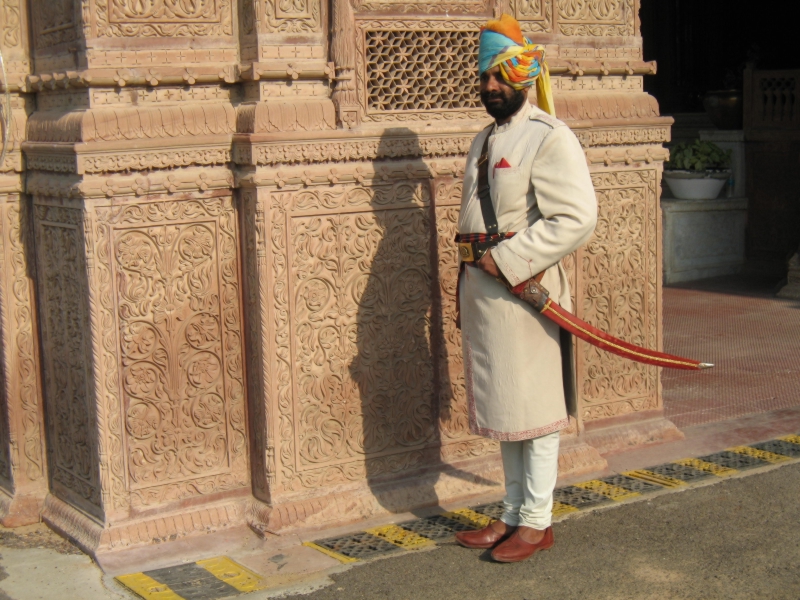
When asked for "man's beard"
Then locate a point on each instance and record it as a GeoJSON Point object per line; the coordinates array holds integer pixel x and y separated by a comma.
{"type": "Point", "coordinates": [508, 106]}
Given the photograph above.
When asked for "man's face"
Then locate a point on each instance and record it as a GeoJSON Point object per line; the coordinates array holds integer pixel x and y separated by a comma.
{"type": "Point", "coordinates": [500, 99]}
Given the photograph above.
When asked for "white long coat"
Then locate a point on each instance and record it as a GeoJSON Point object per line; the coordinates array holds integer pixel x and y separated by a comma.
{"type": "Point", "coordinates": [512, 357]}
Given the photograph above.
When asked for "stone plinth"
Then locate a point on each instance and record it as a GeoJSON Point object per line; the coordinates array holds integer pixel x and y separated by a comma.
{"type": "Point", "coordinates": [703, 238]}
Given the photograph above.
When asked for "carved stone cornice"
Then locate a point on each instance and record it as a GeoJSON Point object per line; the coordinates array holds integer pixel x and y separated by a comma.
{"type": "Point", "coordinates": [360, 173]}
{"type": "Point", "coordinates": [119, 123]}
{"type": "Point", "coordinates": [176, 181]}
{"type": "Point", "coordinates": [110, 157]}
{"type": "Point", "coordinates": [335, 147]}
{"type": "Point", "coordinates": [304, 147]}
{"type": "Point", "coordinates": [376, 172]}
{"type": "Point", "coordinates": [608, 133]}
{"type": "Point", "coordinates": [601, 67]}
{"type": "Point", "coordinates": [291, 69]}
{"type": "Point", "coordinates": [609, 106]}
{"type": "Point", "coordinates": [626, 156]}
{"type": "Point", "coordinates": [451, 7]}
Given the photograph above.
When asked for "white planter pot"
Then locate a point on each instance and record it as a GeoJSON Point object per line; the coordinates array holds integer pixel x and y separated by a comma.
{"type": "Point", "coordinates": [687, 185]}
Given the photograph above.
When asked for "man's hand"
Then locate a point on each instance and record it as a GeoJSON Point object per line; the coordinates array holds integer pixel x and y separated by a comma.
{"type": "Point", "coordinates": [487, 265]}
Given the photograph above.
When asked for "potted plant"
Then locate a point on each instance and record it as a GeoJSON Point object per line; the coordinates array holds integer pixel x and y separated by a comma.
{"type": "Point", "coordinates": [697, 170]}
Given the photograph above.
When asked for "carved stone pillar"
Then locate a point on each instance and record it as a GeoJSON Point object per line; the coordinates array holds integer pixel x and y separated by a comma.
{"type": "Point", "coordinates": [137, 256]}
{"type": "Point", "coordinates": [357, 379]}
{"type": "Point", "coordinates": [23, 478]}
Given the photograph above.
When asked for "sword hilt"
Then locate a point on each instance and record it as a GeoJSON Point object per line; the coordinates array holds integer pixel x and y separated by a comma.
{"type": "Point", "coordinates": [532, 292]}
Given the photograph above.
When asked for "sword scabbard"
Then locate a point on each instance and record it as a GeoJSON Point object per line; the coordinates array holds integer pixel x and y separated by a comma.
{"type": "Point", "coordinates": [534, 293]}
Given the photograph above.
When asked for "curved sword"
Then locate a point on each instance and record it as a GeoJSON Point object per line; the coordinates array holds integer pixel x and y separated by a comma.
{"type": "Point", "coordinates": [536, 295]}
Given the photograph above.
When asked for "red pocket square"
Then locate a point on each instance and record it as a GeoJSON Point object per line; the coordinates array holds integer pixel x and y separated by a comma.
{"type": "Point", "coordinates": [503, 164]}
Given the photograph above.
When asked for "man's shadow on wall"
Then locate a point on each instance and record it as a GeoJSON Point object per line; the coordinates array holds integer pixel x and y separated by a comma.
{"type": "Point", "coordinates": [400, 368]}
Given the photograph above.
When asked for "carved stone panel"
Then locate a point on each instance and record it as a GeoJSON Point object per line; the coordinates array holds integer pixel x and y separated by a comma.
{"type": "Point", "coordinates": [453, 417]}
{"type": "Point", "coordinates": [22, 463]}
{"type": "Point", "coordinates": [596, 17]}
{"type": "Point", "coordinates": [162, 18]}
{"type": "Point", "coordinates": [11, 34]}
{"type": "Point", "coordinates": [618, 292]}
{"type": "Point", "coordinates": [290, 16]}
{"type": "Point", "coordinates": [6, 476]}
{"type": "Point", "coordinates": [535, 16]}
{"type": "Point", "coordinates": [447, 7]}
{"type": "Point", "coordinates": [175, 301]}
{"type": "Point", "coordinates": [69, 392]}
{"type": "Point", "coordinates": [353, 376]}
{"type": "Point", "coordinates": [258, 343]}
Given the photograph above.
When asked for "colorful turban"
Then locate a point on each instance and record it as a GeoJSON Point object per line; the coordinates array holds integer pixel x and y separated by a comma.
{"type": "Point", "coordinates": [521, 61]}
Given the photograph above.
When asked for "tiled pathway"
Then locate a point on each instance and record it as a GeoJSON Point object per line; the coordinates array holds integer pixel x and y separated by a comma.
{"type": "Point", "coordinates": [751, 336]}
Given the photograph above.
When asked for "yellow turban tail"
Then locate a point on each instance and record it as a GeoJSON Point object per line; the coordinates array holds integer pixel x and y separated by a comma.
{"type": "Point", "coordinates": [544, 93]}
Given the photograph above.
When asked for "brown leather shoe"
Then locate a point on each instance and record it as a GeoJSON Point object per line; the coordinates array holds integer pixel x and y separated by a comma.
{"type": "Point", "coordinates": [516, 549]}
{"type": "Point", "coordinates": [483, 538]}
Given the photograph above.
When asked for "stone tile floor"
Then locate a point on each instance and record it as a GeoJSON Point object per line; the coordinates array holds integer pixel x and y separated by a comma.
{"type": "Point", "coordinates": [751, 336]}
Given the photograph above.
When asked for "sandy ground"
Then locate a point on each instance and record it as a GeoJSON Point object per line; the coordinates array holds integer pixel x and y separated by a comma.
{"type": "Point", "coordinates": [37, 564]}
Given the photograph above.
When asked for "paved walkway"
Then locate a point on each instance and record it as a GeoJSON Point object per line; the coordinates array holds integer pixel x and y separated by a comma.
{"type": "Point", "coordinates": [733, 540]}
{"type": "Point", "coordinates": [751, 336]}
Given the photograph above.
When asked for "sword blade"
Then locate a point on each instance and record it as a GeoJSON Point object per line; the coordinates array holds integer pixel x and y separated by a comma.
{"type": "Point", "coordinates": [609, 343]}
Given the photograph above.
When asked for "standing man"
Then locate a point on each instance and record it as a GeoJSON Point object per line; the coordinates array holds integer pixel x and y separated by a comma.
{"type": "Point", "coordinates": [527, 190]}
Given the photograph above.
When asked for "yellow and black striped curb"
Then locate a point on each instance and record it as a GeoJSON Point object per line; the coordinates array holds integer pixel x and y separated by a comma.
{"type": "Point", "coordinates": [221, 577]}
{"type": "Point", "coordinates": [425, 532]}
{"type": "Point", "coordinates": [208, 579]}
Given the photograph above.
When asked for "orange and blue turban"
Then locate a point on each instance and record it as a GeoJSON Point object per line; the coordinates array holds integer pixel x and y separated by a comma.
{"type": "Point", "coordinates": [521, 61]}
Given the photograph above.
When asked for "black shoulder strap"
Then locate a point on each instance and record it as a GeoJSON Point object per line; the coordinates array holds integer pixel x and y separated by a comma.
{"type": "Point", "coordinates": [484, 193]}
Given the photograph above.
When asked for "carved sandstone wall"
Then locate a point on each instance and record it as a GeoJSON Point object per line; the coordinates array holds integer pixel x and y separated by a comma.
{"type": "Point", "coordinates": [242, 216]}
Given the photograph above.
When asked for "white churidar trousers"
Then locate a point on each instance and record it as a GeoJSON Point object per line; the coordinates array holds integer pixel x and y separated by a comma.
{"type": "Point", "coordinates": [531, 470]}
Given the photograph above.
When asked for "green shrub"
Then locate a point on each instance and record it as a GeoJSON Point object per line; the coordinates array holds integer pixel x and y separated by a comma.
{"type": "Point", "coordinates": [698, 156]}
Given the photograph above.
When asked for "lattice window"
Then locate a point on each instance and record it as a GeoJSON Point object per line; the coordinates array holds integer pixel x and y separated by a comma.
{"type": "Point", "coordinates": [422, 70]}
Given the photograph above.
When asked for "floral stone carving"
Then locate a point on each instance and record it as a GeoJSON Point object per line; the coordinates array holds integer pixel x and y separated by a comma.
{"type": "Point", "coordinates": [142, 326]}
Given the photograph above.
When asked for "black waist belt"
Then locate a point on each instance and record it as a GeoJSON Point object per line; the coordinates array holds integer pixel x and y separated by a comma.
{"type": "Point", "coordinates": [472, 246]}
